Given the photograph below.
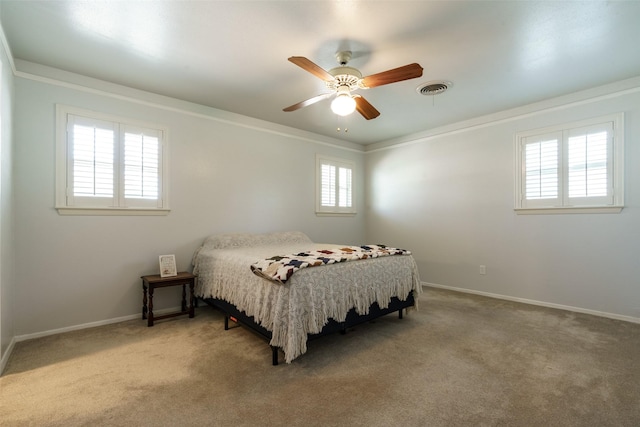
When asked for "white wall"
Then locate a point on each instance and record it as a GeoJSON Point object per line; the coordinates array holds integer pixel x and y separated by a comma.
{"type": "Point", "coordinates": [7, 301]}
{"type": "Point", "coordinates": [448, 196]}
{"type": "Point", "coordinates": [228, 173]}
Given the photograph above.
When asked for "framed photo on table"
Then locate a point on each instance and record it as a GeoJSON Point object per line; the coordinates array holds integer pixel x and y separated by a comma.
{"type": "Point", "coordinates": [168, 266]}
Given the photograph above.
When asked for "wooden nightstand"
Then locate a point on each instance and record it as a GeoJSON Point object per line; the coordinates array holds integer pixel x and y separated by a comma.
{"type": "Point", "coordinates": [150, 283]}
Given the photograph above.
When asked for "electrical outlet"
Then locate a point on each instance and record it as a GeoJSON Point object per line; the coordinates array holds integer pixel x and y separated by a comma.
{"type": "Point", "coordinates": [483, 269]}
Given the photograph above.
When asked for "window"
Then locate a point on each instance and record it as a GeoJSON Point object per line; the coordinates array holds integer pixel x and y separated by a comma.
{"type": "Point", "coordinates": [334, 179]}
{"type": "Point", "coordinates": [572, 168]}
{"type": "Point", "coordinates": [108, 166]}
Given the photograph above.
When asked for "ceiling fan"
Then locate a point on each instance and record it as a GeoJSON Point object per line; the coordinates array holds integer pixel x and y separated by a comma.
{"type": "Point", "coordinates": [343, 80]}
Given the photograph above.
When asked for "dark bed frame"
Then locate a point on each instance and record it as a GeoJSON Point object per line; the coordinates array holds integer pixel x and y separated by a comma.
{"type": "Point", "coordinates": [231, 312]}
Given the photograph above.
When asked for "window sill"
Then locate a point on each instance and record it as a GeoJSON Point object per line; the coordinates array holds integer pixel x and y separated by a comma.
{"type": "Point", "coordinates": [573, 210]}
{"type": "Point", "coordinates": [111, 211]}
{"type": "Point", "coordinates": [335, 213]}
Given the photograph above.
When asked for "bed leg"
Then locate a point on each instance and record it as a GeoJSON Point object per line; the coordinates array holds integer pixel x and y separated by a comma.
{"type": "Point", "coordinates": [274, 355]}
{"type": "Point", "coordinates": [226, 323]}
{"type": "Point", "coordinates": [343, 328]}
{"type": "Point", "coordinates": [400, 314]}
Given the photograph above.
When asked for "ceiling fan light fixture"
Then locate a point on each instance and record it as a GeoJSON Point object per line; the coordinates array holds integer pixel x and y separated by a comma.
{"type": "Point", "coordinates": [343, 104]}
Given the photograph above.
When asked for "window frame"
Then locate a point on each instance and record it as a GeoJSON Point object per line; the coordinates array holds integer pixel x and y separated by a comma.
{"type": "Point", "coordinates": [613, 202]}
{"type": "Point", "coordinates": [77, 205]}
{"type": "Point", "coordinates": [335, 210]}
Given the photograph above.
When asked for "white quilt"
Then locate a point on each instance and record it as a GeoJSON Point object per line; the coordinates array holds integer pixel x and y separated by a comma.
{"type": "Point", "coordinates": [311, 297]}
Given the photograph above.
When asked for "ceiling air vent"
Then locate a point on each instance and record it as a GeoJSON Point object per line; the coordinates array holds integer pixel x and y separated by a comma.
{"type": "Point", "coordinates": [435, 87]}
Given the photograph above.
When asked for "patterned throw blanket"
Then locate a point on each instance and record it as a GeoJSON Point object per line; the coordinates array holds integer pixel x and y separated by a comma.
{"type": "Point", "coordinates": [280, 268]}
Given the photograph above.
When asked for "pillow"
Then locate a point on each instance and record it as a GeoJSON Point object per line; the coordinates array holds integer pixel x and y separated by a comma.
{"type": "Point", "coordinates": [239, 240]}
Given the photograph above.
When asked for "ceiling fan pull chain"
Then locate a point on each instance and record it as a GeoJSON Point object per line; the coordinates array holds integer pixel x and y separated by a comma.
{"type": "Point", "coordinates": [339, 123]}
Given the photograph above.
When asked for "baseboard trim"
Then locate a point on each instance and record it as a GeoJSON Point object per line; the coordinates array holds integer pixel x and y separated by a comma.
{"type": "Point", "coordinates": [26, 337]}
{"type": "Point", "coordinates": [7, 355]}
{"type": "Point", "coordinates": [535, 302]}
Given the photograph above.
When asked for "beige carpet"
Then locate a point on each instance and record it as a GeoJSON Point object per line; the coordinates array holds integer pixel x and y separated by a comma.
{"type": "Point", "coordinates": [462, 360]}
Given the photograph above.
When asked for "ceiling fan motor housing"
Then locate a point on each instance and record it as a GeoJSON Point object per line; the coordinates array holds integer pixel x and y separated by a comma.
{"type": "Point", "coordinates": [343, 57]}
{"type": "Point", "coordinates": [345, 76]}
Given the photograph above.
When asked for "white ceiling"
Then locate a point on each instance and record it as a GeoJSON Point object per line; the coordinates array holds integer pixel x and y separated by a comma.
{"type": "Point", "coordinates": [232, 55]}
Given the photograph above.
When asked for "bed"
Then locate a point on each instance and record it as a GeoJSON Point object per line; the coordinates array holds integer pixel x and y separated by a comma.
{"type": "Point", "coordinates": [312, 301]}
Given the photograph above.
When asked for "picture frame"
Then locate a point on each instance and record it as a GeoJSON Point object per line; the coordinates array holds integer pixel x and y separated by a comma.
{"type": "Point", "coordinates": [168, 266]}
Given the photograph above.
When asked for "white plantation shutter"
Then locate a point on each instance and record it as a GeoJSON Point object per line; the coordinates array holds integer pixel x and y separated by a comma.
{"type": "Point", "coordinates": [328, 185]}
{"type": "Point", "coordinates": [576, 167]}
{"type": "Point", "coordinates": [541, 168]}
{"type": "Point", "coordinates": [344, 190]}
{"type": "Point", "coordinates": [92, 160]}
{"type": "Point", "coordinates": [589, 165]}
{"type": "Point", "coordinates": [335, 186]}
{"type": "Point", "coordinates": [109, 165]}
{"type": "Point", "coordinates": [141, 166]}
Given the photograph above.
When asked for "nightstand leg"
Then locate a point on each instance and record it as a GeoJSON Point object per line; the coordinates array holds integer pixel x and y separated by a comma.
{"type": "Point", "coordinates": [191, 298]}
{"type": "Point", "coordinates": [144, 300]}
{"type": "Point", "coordinates": [150, 320]}
{"type": "Point", "coordinates": [184, 298]}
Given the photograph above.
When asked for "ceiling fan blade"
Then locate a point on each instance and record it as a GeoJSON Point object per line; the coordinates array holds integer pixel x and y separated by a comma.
{"type": "Point", "coordinates": [399, 74]}
{"type": "Point", "coordinates": [311, 67]}
{"type": "Point", "coordinates": [307, 102]}
{"type": "Point", "coordinates": [367, 110]}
